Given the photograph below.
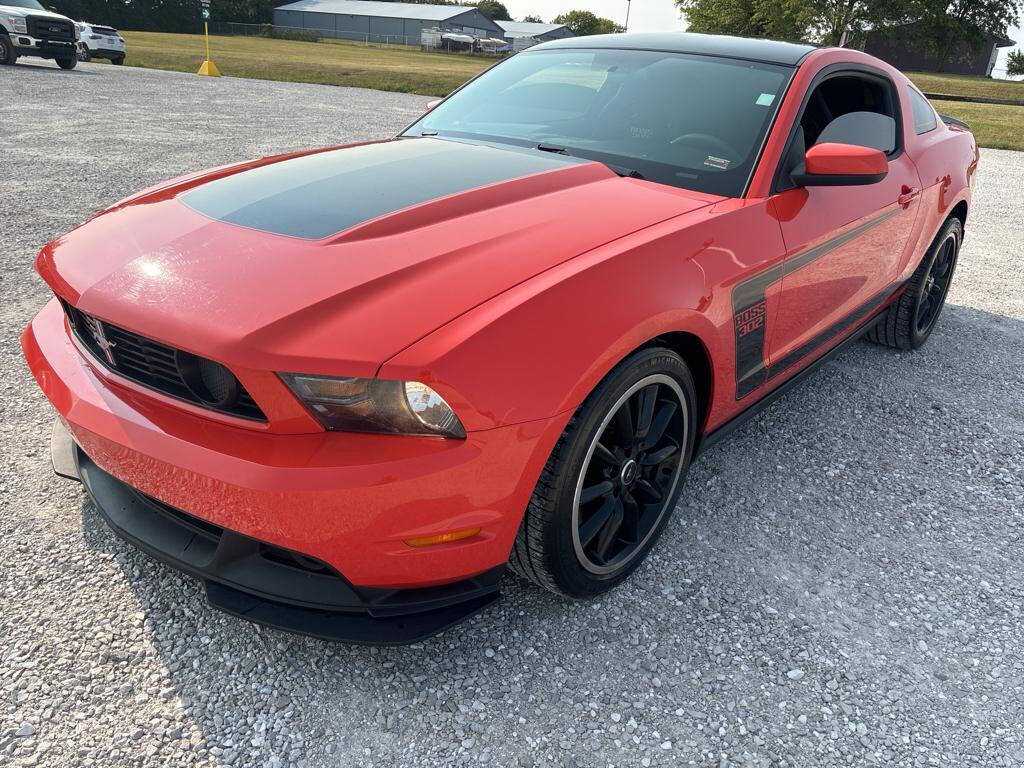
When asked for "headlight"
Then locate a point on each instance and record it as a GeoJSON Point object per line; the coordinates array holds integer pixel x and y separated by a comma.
{"type": "Point", "coordinates": [376, 405]}
{"type": "Point", "coordinates": [18, 23]}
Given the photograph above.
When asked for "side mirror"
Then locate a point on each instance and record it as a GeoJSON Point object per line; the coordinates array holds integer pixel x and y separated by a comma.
{"type": "Point", "coordinates": [434, 103]}
{"type": "Point", "coordinates": [841, 165]}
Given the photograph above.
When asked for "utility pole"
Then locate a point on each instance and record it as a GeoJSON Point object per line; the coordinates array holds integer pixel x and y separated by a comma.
{"type": "Point", "coordinates": [627, 15]}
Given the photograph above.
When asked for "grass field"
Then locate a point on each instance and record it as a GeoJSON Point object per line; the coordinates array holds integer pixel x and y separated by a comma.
{"type": "Point", "coordinates": [410, 70]}
{"type": "Point", "coordinates": [967, 85]}
{"type": "Point", "coordinates": [993, 125]}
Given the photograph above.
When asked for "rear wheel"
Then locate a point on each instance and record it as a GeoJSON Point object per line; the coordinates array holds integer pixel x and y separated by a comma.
{"type": "Point", "coordinates": [68, 63]}
{"type": "Point", "coordinates": [909, 321]}
{"type": "Point", "coordinates": [7, 54]}
{"type": "Point", "coordinates": [613, 479]}
{"type": "Point", "coordinates": [118, 61]}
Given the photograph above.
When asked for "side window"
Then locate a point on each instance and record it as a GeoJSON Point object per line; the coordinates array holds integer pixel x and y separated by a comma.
{"type": "Point", "coordinates": [846, 108]}
{"type": "Point", "coordinates": [924, 115]}
{"type": "Point", "coordinates": [852, 109]}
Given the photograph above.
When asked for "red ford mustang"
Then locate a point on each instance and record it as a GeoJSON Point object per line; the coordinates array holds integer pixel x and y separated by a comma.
{"type": "Point", "coordinates": [346, 387]}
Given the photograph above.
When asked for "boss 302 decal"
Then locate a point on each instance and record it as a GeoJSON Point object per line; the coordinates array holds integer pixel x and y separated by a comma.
{"type": "Point", "coordinates": [750, 310]}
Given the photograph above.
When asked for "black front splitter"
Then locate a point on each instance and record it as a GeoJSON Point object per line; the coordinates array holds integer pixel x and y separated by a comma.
{"type": "Point", "coordinates": [359, 629]}
{"type": "Point", "coordinates": [243, 581]}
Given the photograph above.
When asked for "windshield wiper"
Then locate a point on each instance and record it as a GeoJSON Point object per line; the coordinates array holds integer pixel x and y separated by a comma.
{"type": "Point", "coordinates": [627, 172]}
{"type": "Point", "coordinates": [618, 169]}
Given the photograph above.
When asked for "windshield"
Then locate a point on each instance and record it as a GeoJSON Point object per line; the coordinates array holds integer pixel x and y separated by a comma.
{"type": "Point", "coordinates": [31, 4]}
{"type": "Point", "coordinates": [696, 122]}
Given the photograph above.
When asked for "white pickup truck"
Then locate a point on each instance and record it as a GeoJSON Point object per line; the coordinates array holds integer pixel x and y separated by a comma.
{"type": "Point", "coordinates": [28, 29]}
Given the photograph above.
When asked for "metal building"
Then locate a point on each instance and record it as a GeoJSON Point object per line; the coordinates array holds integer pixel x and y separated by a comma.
{"type": "Point", "coordinates": [541, 33]}
{"type": "Point", "coordinates": [383, 21]}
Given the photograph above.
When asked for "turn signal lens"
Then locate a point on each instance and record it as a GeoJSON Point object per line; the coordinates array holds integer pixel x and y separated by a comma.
{"type": "Point", "coordinates": [443, 538]}
{"type": "Point", "coordinates": [376, 405]}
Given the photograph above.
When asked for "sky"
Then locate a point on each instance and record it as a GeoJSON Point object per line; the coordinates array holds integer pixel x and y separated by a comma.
{"type": "Point", "coordinates": [659, 16]}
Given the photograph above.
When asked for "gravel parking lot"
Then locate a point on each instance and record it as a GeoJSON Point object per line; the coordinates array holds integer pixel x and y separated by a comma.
{"type": "Point", "coordinates": [842, 585]}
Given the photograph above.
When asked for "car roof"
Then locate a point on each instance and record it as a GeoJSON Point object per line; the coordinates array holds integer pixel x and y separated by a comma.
{"type": "Point", "coordinates": [769, 51]}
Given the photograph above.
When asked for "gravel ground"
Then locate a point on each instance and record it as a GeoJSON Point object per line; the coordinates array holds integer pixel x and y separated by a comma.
{"type": "Point", "coordinates": [842, 584]}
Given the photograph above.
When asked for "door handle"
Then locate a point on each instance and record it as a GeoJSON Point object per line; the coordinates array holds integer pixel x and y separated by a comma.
{"type": "Point", "coordinates": [907, 195]}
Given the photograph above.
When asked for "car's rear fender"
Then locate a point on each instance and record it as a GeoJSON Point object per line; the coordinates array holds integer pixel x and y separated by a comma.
{"type": "Point", "coordinates": [947, 160]}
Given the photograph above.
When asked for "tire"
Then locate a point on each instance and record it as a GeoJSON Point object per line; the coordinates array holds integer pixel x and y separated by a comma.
{"type": "Point", "coordinates": [909, 321]}
{"type": "Point", "coordinates": [7, 54]}
{"type": "Point", "coordinates": [68, 63]}
{"type": "Point", "coordinates": [118, 61]}
{"type": "Point", "coordinates": [558, 545]}
{"type": "Point", "coordinates": [84, 54]}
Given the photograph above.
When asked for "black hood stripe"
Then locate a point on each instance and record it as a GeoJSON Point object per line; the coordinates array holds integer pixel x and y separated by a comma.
{"type": "Point", "coordinates": [322, 194]}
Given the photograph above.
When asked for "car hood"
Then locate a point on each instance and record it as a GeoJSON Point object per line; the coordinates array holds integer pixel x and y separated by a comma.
{"type": "Point", "coordinates": [333, 261]}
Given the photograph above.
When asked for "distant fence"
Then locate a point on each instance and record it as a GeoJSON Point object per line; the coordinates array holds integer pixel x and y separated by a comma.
{"type": "Point", "coordinates": [309, 35]}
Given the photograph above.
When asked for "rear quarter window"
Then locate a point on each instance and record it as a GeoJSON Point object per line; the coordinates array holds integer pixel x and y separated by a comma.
{"type": "Point", "coordinates": [924, 115]}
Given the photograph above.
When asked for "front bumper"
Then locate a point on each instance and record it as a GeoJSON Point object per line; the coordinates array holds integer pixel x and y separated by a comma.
{"type": "Point", "coordinates": [26, 45]}
{"type": "Point", "coordinates": [271, 586]}
{"type": "Point", "coordinates": [347, 500]}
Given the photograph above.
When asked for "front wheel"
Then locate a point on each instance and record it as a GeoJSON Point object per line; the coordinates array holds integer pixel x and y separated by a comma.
{"type": "Point", "coordinates": [7, 54]}
{"type": "Point", "coordinates": [84, 54]}
{"type": "Point", "coordinates": [67, 63]}
{"type": "Point", "coordinates": [612, 480]}
{"type": "Point", "coordinates": [909, 321]}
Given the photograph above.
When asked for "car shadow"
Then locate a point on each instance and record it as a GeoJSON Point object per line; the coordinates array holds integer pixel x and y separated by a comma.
{"type": "Point", "coordinates": [792, 534]}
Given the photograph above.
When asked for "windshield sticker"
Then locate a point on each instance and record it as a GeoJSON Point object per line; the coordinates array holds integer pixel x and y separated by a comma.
{"type": "Point", "coordinates": [716, 162]}
{"type": "Point", "coordinates": [765, 99]}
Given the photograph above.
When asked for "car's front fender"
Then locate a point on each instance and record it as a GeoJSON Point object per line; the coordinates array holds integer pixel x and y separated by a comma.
{"type": "Point", "coordinates": [539, 348]}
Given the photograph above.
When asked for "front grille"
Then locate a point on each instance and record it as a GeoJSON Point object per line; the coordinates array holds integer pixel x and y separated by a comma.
{"type": "Point", "coordinates": [165, 369]}
{"type": "Point", "coordinates": [50, 29]}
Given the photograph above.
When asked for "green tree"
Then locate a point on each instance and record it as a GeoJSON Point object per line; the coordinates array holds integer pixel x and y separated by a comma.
{"type": "Point", "coordinates": [1015, 63]}
{"type": "Point", "coordinates": [815, 21]}
{"type": "Point", "coordinates": [961, 28]}
{"type": "Point", "coordinates": [533, 19]}
{"type": "Point", "coordinates": [493, 10]}
{"type": "Point", "coordinates": [776, 19]}
{"type": "Point", "coordinates": [587, 23]}
{"type": "Point", "coordinates": [146, 15]}
{"type": "Point", "coordinates": [831, 18]}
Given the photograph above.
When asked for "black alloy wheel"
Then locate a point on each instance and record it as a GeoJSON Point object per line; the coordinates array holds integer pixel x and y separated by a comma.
{"type": "Point", "coordinates": [936, 284]}
{"type": "Point", "coordinates": [613, 478]}
{"type": "Point", "coordinates": [909, 320]}
{"type": "Point", "coordinates": [629, 474]}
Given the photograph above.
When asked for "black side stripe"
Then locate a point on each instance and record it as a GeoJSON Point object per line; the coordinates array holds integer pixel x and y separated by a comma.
{"type": "Point", "coordinates": [750, 312]}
